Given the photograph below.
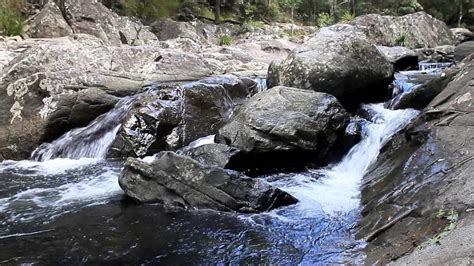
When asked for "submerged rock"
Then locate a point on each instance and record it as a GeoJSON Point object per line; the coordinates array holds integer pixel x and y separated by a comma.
{"type": "Point", "coordinates": [417, 30]}
{"type": "Point", "coordinates": [430, 160]}
{"type": "Point", "coordinates": [177, 180]}
{"type": "Point", "coordinates": [286, 120]}
{"type": "Point", "coordinates": [339, 61]}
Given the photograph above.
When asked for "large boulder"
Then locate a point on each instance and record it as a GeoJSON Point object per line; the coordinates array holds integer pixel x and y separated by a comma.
{"type": "Point", "coordinates": [216, 154]}
{"type": "Point", "coordinates": [58, 84]}
{"type": "Point", "coordinates": [146, 126]}
{"type": "Point", "coordinates": [177, 180]}
{"type": "Point", "coordinates": [431, 160]}
{"type": "Point", "coordinates": [48, 23]}
{"type": "Point", "coordinates": [65, 17]}
{"type": "Point", "coordinates": [417, 30]}
{"type": "Point", "coordinates": [286, 120]}
{"type": "Point", "coordinates": [175, 118]}
{"type": "Point", "coordinates": [401, 57]}
{"type": "Point", "coordinates": [339, 61]}
{"type": "Point", "coordinates": [462, 35]}
{"type": "Point", "coordinates": [463, 50]}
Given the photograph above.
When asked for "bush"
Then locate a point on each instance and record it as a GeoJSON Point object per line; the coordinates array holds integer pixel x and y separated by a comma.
{"type": "Point", "coordinates": [347, 16]}
{"type": "Point", "coordinates": [150, 10]}
{"type": "Point", "coordinates": [404, 10]}
{"type": "Point", "coordinates": [11, 21]}
{"type": "Point", "coordinates": [225, 40]}
{"type": "Point", "coordinates": [401, 40]}
{"type": "Point", "coordinates": [324, 19]}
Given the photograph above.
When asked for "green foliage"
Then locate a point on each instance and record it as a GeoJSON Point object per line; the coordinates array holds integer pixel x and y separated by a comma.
{"type": "Point", "coordinates": [406, 10]}
{"type": "Point", "coordinates": [324, 19]}
{"type": "Point", "coordinates": [401, 40]}
{"type": "Point", "coordinates": [150, 10]}
{"type": "Point", "coordinates": [11, 21]}
{"type": "Point", "coordinates": [319, 12]}
{"type": "Point", "coordinates": [225, 40]}
{"type": "Point", "coordinates": [346, 16]}
{"type": "Point", "coordinates": [254, 24]}
{"type": "Point", "coordinates": [452, 218]}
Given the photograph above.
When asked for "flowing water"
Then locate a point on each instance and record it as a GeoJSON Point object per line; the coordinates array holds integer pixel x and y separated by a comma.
{"type": "Point", "coordinates": [92, 141]}
{"type": "Point", "coordinates": [66, 207]}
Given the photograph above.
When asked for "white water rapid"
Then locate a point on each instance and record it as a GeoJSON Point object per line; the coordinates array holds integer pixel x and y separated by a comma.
{"type": "Point", "coordinates": [336, 189]}
{"type": "Point", "coordinates": [92, 141]}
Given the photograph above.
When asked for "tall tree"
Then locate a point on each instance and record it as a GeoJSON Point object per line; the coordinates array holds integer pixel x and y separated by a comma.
{"type": "Point", "coordinates": [460, 13]}
{"type": "Point", "coordinates": [353, 7]}
{"type": "Point", "coordinates": [217, 11]}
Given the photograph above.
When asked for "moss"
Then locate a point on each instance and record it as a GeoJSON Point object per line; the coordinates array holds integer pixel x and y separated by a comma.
{"type": "Point", "coordinates": [452, 218]}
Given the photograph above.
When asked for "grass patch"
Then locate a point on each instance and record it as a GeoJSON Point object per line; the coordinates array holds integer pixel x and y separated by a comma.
{"type": "Point", "coordinates": [11, 21]}
{"type": "Point", "coordinates": [225, 40]}
{"type": "Point", "coordinates": [401, 40]}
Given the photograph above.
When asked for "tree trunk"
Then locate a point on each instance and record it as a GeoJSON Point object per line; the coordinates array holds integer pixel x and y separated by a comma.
{"type": "Point", "coordinates": [312, 10]}
{"type": "Point", "coordinates": [292, 19]}
{"type": "Point", "coordinates": [333, 11]}
{"type": "Point", "coordinates": [217, 11]}
{"type": "Point", "coordinates": [460, 14]}
{"type": "Point", "coordinates": [353, 8]}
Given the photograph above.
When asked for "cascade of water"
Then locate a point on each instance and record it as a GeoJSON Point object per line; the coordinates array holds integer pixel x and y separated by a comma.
{"type": "Point", "coordinates": [434, 66]}
{"type": "Point", "coordinates": [92, 141]}
{"type": "Point", "coordinates": [337, 189]}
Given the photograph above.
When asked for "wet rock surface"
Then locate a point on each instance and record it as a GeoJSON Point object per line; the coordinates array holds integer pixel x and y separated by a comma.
{"type": "Point", "coordinates": [286, 120]}
{"type": "Point", "coordinates": [50, 82]}
{"type": "Point", "coordinates": [173, 118]}
{"type": "Point", "coordinates": [217, 154]}
{"type": "Point", "coordinates": [421, 185]}
{"type": "Point", "coordinates": [422, 94]}
{"type": "Point", "coordinates": [177, 180]}
{"type": "Point", "coordinates": [339, 61]}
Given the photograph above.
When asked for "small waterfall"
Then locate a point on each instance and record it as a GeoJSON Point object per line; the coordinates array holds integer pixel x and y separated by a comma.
{"type": "Point", "coordinates": [433, 66]}
{"type": "Point", "coordinates": [337, 188]}
{"type": "Point", "coordinates": [202, 141]}
{"type": "Point", "coordinates": [92, 141]}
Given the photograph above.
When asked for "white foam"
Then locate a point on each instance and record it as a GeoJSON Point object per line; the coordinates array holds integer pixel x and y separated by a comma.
{"type": "Point", "coordinates": [339, 188]}
{"type": "Point", "coordinates": [90, 190]}
{"type": "Point", "coordinates": [51, 167]}
{"type": "Point", "coordinates": [202, 141]}
{"type": "Point", "coordinates": [91, 141]}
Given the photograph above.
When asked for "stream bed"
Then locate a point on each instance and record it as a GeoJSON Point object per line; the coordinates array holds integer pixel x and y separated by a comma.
{"type": "Point", "coordinates": [72, 210]}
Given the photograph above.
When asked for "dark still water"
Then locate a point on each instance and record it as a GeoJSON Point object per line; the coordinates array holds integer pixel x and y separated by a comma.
{"type": "Point", "coordinates": [72, 211]}
{"type": "Point", "coordinates": [78, 214]}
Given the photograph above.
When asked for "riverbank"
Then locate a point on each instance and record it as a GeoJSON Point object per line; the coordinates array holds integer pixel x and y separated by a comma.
{"type": "Point", "coordinates": [297, 141]}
